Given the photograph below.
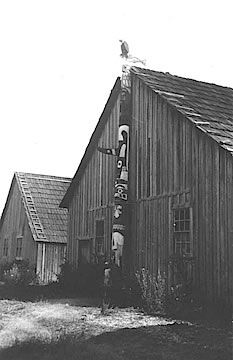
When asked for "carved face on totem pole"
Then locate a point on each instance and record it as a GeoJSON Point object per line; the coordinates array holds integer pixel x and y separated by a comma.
{"type": "Point", "coordinates": [121, 194]}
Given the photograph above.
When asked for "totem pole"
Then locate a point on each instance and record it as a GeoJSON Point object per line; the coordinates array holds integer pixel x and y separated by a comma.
{"type": "Point", "coordinates": [121, 208]}
{"type": "Point", "coordinates": [120, 213]}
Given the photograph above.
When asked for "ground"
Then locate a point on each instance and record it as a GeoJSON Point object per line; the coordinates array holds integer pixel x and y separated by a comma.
{"type": "Point", "coordinates": [66, 329]}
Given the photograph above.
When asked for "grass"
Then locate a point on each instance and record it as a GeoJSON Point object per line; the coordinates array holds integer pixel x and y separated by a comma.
{"type": "Point", "coordinates": [55, 331]}
{"type": "Point", "coordinates": [171, 342]}
{"type": "Point", "coordinates": [47, 322]}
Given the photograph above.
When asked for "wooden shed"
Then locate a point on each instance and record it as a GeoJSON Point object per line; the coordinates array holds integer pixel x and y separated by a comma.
{"type": "Point", "coordinates": [180, 183]}
{"type": "Point", "coordinates": [33, 226]}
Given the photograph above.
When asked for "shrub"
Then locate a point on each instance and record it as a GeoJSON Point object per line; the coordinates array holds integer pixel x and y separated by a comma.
{"type": "Point", "coordinates": [3, 268]}
{"type": "Point", "coordinates": [86, 279]}
{"type": "Point", "coordinates": [19, 272]}
{"type": "Point", "coordinates": [130, 293]}
{"type": "Point", "coordinates": [153, 291]}
{"type": "Point", "coordinates": [182, 293]}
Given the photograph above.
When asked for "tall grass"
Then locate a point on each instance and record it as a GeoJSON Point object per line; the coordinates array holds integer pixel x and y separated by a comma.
{"type": "Point", "coordinates": [153, 291]}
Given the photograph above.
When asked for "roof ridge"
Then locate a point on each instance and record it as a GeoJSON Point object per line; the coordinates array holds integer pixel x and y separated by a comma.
{"type": "Point", "coordinates": [208, 106]}
{"type": "Point", "coordinates": [133, 68]}
{"type": "Point", "coordinates": [44, 177]}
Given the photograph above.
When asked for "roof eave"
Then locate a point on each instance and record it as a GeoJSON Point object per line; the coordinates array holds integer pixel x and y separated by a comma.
{"type": "Point", "coordinates": [7, 200]}
{"type": "Point", "coordinates": [92, 143]}
{"type": "Point", "coordinates": [201, 123]}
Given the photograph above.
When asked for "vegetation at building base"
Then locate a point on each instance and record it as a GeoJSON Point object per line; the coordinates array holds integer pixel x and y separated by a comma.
{"type": "Point", "coordinates": [182, 301]}
{"type": "Point", "coordinates": [18, 280]}
{"type": "Point", "coordinates": [18, 272]}
{"type": "Point", "coordinates": [153, 291]}
{"type": "Point", "coordinates": [144, 291]}
{"type": "Point", "coordinates": [88, 280]}
{"type": "Point", "coordinates": [141, 290]}
{"type": "Point", "coordinates": [84, 280]}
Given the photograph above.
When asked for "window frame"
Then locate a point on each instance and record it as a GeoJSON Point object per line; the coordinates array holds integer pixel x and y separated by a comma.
{"type": "Point", "coordinates": [19, 249]}
{"type": "Point", "coordinates": [5, 247]}
{"type": "Point", "coordinates": [99, 237]}
{"type": "Point", "coordinates": [182, 230]}
{"type": "Point", "coordinates": [84, 243]}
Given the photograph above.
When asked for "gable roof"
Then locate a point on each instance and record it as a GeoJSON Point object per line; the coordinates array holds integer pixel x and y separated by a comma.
{"type": "Point", "coordinates": [91, 147]}
{"type": "Point", "coordinates": [208, 106]}
{"type": "Point", "coordinates": [41, 196]}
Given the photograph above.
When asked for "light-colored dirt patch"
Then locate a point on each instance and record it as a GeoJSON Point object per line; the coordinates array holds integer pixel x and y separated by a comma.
{"type": "Point", "coordinates": [44, 321]}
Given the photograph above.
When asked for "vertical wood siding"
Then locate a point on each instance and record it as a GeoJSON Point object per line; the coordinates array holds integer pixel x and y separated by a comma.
{"type": "Point", "coordinates": [15, 224]}
{"type": "Point", "coordinates": [46, 257]}
{"type": "Point", "coordinates": [170, 160]}
{"type": "Point", "coordinates": [93, 198]}
{"type": "Point", "coordinates": [181, 160]}
{"type": "Point", "coordinates": [49, 259]}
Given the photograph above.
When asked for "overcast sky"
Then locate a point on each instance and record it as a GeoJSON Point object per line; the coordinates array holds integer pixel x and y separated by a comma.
{"type": "Point", "coordinates": [59, 60]}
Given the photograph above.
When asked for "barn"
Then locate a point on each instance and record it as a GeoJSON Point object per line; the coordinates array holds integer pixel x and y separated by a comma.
{"type": "Point", "coordinates": [179, 184]}
{"type": "Point", "coordinates": [32, 226]}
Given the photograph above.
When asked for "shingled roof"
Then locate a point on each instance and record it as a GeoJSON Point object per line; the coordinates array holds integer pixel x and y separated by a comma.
{"type": "Point", "coordinates": [208, 106]}
{"type": "Point", "coordinates": [41, 195]}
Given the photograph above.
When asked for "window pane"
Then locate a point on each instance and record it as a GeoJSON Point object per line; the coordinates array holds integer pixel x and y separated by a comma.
{"type": "Point", "coordinates": [187, 212]}
{"type": "Point", "coordinates": [183, 248]}
{"type": "Point", "coordinates": [182, 212]}
{"type": "Point", "coordinates": [187, 225]}
{"type": "Point", "coordinates": [5, 247]}
{"type": "Point", "coordinates": [176, 226]}
{"type": "Point", "coordinates": [84, 251]}
{"type": "Point", "coordinates": [100, 246]}
{"type": "Point", "coordinates": [100, 228]}
{"type": "Point", "coordinates": [19, 247]}
{"type": "Point", "coordinates": [181, 225]}
{"type": "Point", "coordinates": [176, 214]}
{"type": "Point", "coordinates": [182, 220]}
{"type": "Point", "coordinates": [99, 240]}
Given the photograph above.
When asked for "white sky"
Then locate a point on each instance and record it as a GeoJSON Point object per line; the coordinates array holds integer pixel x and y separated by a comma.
{"type": "Point", "coordinates": [59, 60]}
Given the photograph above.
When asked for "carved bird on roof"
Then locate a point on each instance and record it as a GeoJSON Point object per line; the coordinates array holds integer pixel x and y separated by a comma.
{"type": "Point", "coordinates": [124, 49]}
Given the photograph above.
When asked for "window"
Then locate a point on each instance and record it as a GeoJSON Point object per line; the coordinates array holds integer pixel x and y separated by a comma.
{"type": "Point", "coordinates": [148, 167]}
{"type": "Point", "coordinates": [84, 252]}
{"type": "Point", "coordinates": [99, 239]}
{"type": "Point", "coordinates": [19, 242]}
{"type": "Point", "coordinates": [182, 231]}
{"type": "Point", "coordinates": [5, 247]}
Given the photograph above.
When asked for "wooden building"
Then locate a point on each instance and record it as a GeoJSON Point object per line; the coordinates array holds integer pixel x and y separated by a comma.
{"type": "Point", "coordinates": [32, 225]}
{"type": "Point", "coordinates": [180, 183]}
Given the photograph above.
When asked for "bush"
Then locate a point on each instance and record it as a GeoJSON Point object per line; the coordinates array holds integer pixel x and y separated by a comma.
{"type": "Point", "coordinates": [153, 291]}
{"type": "Point", "coordinates": [130, 293]}
{"type": "Point", "coordinates": [88, 279]}
{"type": "Point", "coordinates": [19, 272]}
{"type": "Point", "coordinates": [85, 280]}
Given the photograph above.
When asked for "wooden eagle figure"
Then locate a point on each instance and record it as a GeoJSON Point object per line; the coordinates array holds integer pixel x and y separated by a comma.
{"type": "Point", "coordinates": [124, 49]}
